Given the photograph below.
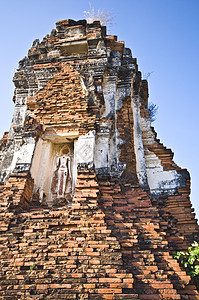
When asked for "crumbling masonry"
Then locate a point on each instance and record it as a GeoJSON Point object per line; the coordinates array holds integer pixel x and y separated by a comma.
{"type": "Point", "coordinates": [92, 204]}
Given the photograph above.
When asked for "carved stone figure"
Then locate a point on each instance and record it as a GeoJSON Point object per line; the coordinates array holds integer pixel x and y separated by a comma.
{"type": "Point", "coordinates": [61, 186]}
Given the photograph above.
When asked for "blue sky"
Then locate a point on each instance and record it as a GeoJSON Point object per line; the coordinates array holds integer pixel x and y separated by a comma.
{"type": "Point", "coordinates": [162, 34]}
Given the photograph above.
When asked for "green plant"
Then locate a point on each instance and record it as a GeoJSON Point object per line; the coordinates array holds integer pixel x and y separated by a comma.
{"type": "Point", "coordinates": [153, 109]}
{"type": "Point", "coordinates": [190, 261]}
{"type": "Point", "coordinates": [32, 266]}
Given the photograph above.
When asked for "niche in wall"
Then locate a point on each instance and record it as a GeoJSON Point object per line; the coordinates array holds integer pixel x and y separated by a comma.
{"type": "Point", "coordinates": [54, 172]}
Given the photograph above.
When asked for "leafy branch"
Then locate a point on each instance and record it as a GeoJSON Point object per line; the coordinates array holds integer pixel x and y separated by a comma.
{"type": "Point", "coordinates": [190, 261]}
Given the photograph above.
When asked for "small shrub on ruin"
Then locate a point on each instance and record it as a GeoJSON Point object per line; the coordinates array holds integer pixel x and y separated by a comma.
{"type": "Point", "coordinates": [189, 261]}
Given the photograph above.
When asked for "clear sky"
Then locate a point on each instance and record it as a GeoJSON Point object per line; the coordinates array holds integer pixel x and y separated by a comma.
{"type": "Point", "coordinates": [162, 34]}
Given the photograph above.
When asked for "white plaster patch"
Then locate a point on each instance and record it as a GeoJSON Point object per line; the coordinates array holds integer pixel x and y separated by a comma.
{"type": "Point", "coordinates": [85, 149]}
{"type": "Point", "coordinates": [24, 155]}
{"type": "Point", "coordinates": [138, 145]}
{"type": "Point", "coordinates": [101, 49]}
{"type": "Point", "coordinates": [121, 94]}
{"type": "Point", "coordinates": [18, 119]}
{"type": "Point", "coordinates": [109, 89]}
{"type": "Point", "coordinates": [163, 182]}
{"type": "Point", "coordinates": [101, 152]}
{"type": "Point", "coordinates": [84, 89]}
{"type": "Point", "coordinates": [53, 53]}
{"type": "Point", "coordinates": [159, 181]}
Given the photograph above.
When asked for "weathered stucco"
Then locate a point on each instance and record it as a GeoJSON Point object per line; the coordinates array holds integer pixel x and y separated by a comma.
{"type": "Point", "coordinates": [160, 181]}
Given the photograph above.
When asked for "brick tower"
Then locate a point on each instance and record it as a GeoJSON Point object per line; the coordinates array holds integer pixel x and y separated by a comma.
{"type": "Point", "coordinates": [92, 205]}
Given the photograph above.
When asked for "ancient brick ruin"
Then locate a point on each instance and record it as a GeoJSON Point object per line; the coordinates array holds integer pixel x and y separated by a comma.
{"type": "Point", "coordinates": [92, 205]}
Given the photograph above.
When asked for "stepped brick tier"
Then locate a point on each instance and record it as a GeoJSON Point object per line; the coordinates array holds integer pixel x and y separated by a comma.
{"type": "Point", "coordinates": [92, 205]}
